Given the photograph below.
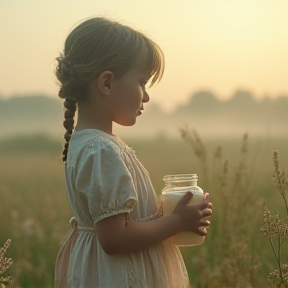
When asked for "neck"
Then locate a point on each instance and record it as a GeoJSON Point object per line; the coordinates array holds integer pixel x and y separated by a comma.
{"type": "Point", "coordinates": [89, 117]}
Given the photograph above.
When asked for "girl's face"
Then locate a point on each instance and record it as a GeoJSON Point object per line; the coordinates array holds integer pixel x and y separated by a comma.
{"type": "Point", "coordinates": [128, 96]}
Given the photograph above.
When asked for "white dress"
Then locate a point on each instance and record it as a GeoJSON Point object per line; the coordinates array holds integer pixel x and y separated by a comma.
{"type": "Point", "coordinates": [104, 178]}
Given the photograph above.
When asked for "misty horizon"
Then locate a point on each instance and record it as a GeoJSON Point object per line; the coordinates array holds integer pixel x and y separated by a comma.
{"type": "Point", "coordinates": [203, 112]}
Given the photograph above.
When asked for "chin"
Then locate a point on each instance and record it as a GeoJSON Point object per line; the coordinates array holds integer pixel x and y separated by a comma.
{"type": "Point", "coordinates": [126, 123]}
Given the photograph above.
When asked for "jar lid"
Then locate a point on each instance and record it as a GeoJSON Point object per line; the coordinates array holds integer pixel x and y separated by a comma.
{"type": "Point", "coordinates": [180, 177]}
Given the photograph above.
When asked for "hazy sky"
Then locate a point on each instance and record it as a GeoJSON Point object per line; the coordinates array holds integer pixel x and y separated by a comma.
{"type": "Point", "coordinates": [217, 45]}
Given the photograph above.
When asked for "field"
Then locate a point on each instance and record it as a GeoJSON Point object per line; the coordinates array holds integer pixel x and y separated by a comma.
{"type": "Point", "coordinates": [238, 173]}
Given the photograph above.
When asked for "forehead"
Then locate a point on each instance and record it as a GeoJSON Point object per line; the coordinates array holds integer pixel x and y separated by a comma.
{"type": "Point", "coordinates": [138, 73]}
{"type": "Point", "coordinates": [146, 60]}
{"type": "Point", "coordinates": [142, 68]}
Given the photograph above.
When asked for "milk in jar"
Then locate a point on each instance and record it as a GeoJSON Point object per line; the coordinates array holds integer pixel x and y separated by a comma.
{"type": "Point", "coordinates": [176, 186]}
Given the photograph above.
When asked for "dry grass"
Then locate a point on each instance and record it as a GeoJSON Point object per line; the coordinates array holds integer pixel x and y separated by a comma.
{"type": "Point", "coordinates": [229, 250]}
{"type": "Point", "coordinates": [5, 264]}
{"type": "Point", "coordinates": [275, 228]}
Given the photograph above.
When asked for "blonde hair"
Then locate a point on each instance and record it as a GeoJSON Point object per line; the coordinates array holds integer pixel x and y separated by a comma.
{"type": "Point", "coordinates": [97, 45]}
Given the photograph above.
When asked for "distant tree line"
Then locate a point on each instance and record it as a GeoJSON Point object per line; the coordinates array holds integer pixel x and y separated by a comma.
{"type": "Point", "coordinates": [25, 114]}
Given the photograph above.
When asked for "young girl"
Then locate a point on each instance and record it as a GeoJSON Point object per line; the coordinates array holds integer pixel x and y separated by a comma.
{"type": "Point", "coordinates": [118, 237]}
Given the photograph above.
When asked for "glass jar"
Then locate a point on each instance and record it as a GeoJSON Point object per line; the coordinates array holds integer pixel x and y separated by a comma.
{"type": "Point", "coordinates": [176, 186]}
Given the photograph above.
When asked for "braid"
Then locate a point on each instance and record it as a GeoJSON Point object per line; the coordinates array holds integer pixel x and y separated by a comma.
{"type": "Point", "coordinates": [68, 123]}
{"type": "Point", "coordinates": [70, 91]}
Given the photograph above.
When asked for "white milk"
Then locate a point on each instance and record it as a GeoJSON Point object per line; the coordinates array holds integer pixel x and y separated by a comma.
{"type": "Point", "coordinates": [169, 202]}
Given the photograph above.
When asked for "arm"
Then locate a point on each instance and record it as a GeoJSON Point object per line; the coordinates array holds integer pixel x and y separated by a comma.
{"type": "Point", "coordinates": [117, 236]}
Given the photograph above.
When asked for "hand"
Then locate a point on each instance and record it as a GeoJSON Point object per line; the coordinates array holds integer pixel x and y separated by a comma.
{"type": "Point", "coordinates": [206, 198]}
{"type": "Point", "coordinates": [193, 218]}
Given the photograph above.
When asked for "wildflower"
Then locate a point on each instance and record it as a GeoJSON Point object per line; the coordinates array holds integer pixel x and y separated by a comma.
{"type": "Point", "coordinates": [276, 229]}
{"type": "Point", "coordinates": [279, 278]}
{"type": "Point", "coordinates": [5, 264]}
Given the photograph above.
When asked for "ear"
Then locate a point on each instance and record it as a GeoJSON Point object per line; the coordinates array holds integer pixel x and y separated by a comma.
{"type": "Point", "coordinates": [104, 82]}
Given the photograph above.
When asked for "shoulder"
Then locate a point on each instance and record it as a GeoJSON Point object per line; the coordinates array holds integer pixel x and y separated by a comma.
{"type": "Point", "coordinates": [86, 145]}
{"type": "Point", "coordinates": [100, 147]}
{"type": "Point", "coordinates": [93, 139]}
{"type": "Point", "coordinates": [102, 158]}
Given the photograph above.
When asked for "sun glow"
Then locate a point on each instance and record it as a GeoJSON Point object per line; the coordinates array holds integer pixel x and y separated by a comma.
{"type": "Point", "coordinates": [214, 45]}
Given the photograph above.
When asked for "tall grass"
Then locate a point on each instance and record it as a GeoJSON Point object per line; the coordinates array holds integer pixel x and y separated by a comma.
{"type": "Point", "coordinates": [34, 210]}
{"type": "Point", "coordinates": [230, 256]}
{"type": "Point", "coordinates": [235, 253]}
{"type": "Point", "coordinates": [33, 213]}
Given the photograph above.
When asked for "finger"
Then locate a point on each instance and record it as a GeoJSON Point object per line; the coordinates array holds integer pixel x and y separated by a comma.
{"type": "Point", "coordinates": [203, 205]}
{"type": "Point", "coordinates": [202, 231]}
{"type": "Point", "coordinates": [205, 223]}
{"type": "Point", "coordinates": [206, 196]}
{"type": "Point", "coordinates": [206, 212]}
{"type": "Point", "coordinates": [186, 198]}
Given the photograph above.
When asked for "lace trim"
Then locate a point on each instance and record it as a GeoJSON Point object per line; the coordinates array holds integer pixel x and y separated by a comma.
{"type": "Point", "coordinates": [86, 229]}
{"type": "Point", "coordinates": [149, 218]}
{"type": "Point", "coordinates": [110, 141]}
{"type": "Point", "coordinates": [111, 212]}
{"type": "Point", "coordinates": [74, 225]}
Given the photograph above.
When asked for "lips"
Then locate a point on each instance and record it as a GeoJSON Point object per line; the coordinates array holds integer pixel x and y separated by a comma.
{"type": "Point", "coordinates": [140, 111]}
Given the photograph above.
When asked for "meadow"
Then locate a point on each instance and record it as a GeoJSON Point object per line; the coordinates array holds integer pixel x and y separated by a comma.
{"type": "Point", "coordinates": [238, 174]}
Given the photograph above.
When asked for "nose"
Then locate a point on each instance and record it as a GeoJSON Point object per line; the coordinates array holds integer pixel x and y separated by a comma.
{"type": "Point", "coordinates": [146, 97]}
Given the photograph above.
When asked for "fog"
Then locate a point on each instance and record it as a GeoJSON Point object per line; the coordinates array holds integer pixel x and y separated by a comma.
{"type": "Point", "coordinates": [203, 112]}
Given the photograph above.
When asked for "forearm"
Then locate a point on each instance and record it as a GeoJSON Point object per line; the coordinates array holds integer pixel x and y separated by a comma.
{"type": "Point", "coordinates": [136, 236]}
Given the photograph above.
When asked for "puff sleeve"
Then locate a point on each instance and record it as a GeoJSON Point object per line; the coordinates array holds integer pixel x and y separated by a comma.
{"type": "Point", "coordinates": [105, 181]}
